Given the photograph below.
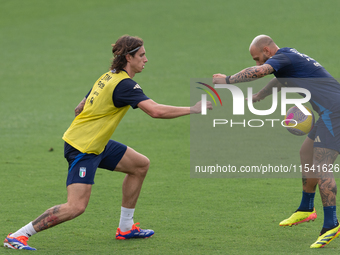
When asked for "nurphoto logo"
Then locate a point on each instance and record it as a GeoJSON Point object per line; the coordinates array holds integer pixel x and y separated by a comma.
{"type": "Point", "coordinates": [239, 100]}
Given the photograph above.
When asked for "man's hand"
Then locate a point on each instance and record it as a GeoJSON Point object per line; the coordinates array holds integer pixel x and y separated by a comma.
{"type": "Point", "coordinates": [198, 107]}
{"type": "Point", "coordinates": [219, 78]}
{"type": "Point", "coordinates": [257, 98]}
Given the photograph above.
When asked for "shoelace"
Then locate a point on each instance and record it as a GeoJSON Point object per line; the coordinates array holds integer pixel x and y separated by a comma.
{"type": "Point", "coordinates": [135, 227]}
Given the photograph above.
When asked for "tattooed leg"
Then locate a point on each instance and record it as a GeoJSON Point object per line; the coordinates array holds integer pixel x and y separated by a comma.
{"type": "Point", "coordinates": [47, 219]}
{"type": "Point", "coordinates": [77, 200]}
{"type": "Point", "coordinates": [325, 158]}
{"type": "Point", "coordinates": [309, 178]}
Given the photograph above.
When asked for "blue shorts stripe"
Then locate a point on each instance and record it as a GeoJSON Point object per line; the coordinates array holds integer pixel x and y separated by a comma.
{"type": "Point", "coordinates": [326, 118]}
{"type": "Point", "coordinates": [76, 160]}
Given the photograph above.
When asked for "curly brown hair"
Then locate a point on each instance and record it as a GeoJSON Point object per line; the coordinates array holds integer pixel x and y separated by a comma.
{"type": "Point", "coordinates": [124, 45]}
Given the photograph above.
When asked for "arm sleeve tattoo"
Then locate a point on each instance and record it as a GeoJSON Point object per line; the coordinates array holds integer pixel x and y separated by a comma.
{"type": "Point", "coordinates": [251, 73]}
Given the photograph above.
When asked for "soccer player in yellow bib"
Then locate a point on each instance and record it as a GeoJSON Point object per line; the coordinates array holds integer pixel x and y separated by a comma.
{"type": "Point", "coordinates": [88, 144]}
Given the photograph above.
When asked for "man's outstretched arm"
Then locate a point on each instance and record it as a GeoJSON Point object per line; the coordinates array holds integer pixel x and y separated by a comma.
{"type": "Point", "coordinates": [267, 90]}
{"type": "Point", "coordinates": [248, 74]}
{"type": "Point", "coordinates": [162, 111]}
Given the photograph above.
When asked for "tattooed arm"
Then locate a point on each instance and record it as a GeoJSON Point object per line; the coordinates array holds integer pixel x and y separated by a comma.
{"type": "Point", "coordinates": [267, 90]}
{"type": "Point", "coordinates": [80, 107]}
{"type": "Point", "coordinates": [248, 74]}
{"type": "Point", "coordinates": [251, 73]}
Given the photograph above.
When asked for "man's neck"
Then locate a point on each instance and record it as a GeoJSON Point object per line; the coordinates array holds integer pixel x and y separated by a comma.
{"type": "Point", "coordinates": [129, 71]}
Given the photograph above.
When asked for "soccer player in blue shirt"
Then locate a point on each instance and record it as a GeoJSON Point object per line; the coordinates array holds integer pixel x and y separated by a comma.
{"type": "Point", "coordinates": [88, 144]}
{"type": "Point", "coordinates": [322, 145]}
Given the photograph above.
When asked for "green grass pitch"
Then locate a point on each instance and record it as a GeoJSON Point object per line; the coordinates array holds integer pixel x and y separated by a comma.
{"type": "Point", "coordinates": [51, 54]}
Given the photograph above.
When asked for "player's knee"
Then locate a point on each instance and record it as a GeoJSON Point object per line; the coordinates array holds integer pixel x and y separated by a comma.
{"type": "Point", "coordinates": [76, 210]}
{"type": "Point", "coordinates": [79, 210]}
{"type": "Point", "coordinates": [144, 166]}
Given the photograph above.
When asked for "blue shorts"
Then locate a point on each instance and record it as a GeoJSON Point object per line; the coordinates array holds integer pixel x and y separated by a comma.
{"type": "Point", "coordinates": [82, 166]}
{"type": "Point", "coordinates": [326, 133]}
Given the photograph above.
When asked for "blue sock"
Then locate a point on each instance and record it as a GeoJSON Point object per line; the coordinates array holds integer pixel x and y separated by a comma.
{"type": "Point", "coordinates": [307, 201]}
{"type": "Point", "coordinates": [330, 219]}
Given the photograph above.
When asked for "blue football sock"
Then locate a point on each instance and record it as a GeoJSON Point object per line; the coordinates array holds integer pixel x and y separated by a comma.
{"type": "Point", "coordinates": [307, 201]}
{"type": "Point", "coordinates": [330, 219]}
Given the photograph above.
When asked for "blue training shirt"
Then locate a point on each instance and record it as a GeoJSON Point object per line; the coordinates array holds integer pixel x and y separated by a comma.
{"type": "Point", "coordinates": [295, 69]}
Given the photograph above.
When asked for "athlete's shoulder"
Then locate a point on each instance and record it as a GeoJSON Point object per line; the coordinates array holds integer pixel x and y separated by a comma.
{"type": "Point", "coordinates": [128, 84]}
{"type": "Point", "coordinates": [292, 52]}
{"type": "Point", "coordinates": [128, 92]}
{"type": "Point", "coordinates": [116, 75]}
{"type": "Point", "coordinates": [280, 56]}
{"type": "Point", "coordinates": [282, 52]}
{"type": "Point", "coordinates": [285, 50]}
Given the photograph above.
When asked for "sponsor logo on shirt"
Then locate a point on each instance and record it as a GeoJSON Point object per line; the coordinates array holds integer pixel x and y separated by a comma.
{"type": "Point", "coordinates": [137, 87]}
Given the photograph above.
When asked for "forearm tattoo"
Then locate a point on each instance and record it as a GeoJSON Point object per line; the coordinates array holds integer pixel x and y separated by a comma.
{"type": "Point", "coordinates": [251, 73]}
{"type": "Point", "coordinates": [47, 219]}
{"type": "Point", "coordinates": [80, 107]}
